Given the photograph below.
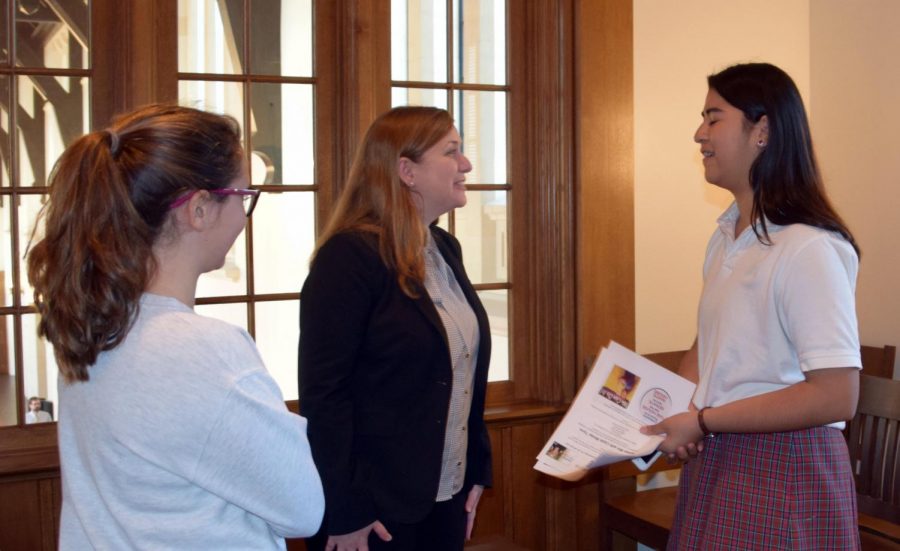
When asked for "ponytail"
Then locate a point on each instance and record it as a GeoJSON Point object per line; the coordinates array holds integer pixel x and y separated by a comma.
{"type": "Point", "coordinates": [109, 200]}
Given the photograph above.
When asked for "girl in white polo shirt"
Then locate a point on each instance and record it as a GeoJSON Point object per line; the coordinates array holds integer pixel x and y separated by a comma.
{"type": "Point", "coordinates": [776, 359]}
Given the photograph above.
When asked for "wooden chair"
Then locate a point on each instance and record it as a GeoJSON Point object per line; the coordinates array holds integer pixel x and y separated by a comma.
{"type": "Point", "coordinates": [875, 455]}
{"type": "Point", "coordinates": [646, 516]}
{"type": "Point", "coordinates": [878, 361]}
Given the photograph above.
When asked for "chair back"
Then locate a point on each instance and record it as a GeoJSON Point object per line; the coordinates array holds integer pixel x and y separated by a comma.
{"type": "Point", "coordinates": [875, 448]}
{"type": "Point", "coordinates": [878, 360]}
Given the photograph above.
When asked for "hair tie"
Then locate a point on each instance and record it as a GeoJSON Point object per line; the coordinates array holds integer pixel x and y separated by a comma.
{"type": "Point", "coordinates": [113, 141]}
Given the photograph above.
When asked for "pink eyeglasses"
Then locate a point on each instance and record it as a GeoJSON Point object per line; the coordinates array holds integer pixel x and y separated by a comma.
{"type": "Point", "coordinates": [249, 196]}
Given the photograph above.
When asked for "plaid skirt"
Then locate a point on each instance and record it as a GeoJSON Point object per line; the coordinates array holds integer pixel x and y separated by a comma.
{"type": "Point", "coordinates": [771, 491]}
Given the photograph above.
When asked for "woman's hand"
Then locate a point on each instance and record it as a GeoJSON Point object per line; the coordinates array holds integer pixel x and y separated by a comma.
{"type": "Point", "coordinates": [684, 438]}
{"type": "Point", "coordinates": [471, 506]}
{"type": "Point", "coordinates": [358, 540]}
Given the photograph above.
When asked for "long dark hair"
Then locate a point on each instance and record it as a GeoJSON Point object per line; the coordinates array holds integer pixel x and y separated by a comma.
{"type": "Point", "coordinates": [376, 201]}
{"type": "Point", "coordinates": [110, 193]}
{"type": "Point", "coordinates": [785, 178]}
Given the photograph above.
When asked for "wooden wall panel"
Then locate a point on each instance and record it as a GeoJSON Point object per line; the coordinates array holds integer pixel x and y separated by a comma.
{"type": "Point", "coordinates": [20, 515]}
{"type": "Point", "coordinates": [528, 503]}
{"type": "Point", "coordinates": [491, 518]}
{"type": "Point", "coordinates": [29, 512]}
{"type": "Point", "coordinates": [562, 505]}
{"type": "Point", "coordinates": [534, 511]}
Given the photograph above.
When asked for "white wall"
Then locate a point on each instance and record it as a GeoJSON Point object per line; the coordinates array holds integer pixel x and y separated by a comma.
{"type": "Point", "coordinates": [855, 80]}
{"type": "Point", "coordinates": [676, 45]}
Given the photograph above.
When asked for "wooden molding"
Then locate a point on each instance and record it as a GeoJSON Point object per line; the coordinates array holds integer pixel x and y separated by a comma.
{"type": "Point", "coordinates": [135, 57]}
{"type": "Point", "coordinates": [28, 449]}
{"type": "Point", "coordinates": [543, 199]}
{"type": "Point", "coordinates": [604, 101]}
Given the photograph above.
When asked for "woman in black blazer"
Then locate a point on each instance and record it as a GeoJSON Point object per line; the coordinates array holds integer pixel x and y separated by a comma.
{"type": "Point", "coordinates": [395, 347]}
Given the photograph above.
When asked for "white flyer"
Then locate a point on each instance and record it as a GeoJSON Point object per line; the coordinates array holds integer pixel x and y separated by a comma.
{"type": "Point", "coordinates": [623, 392]}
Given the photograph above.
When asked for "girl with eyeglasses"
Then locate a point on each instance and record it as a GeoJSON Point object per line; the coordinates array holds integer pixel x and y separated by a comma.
{"type": "Point", "coordinates": [172, 434]}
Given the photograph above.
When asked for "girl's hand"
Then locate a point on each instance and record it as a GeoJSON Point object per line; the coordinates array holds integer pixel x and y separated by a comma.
{"type": "Point", "coordinates": [684, 438]}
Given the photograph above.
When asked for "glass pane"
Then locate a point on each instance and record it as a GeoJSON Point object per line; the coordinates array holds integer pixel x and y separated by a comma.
{"type": "Point", "coordinates": [5, 141]}
{"type": "Point", "coordinates": [496, 303]}
{"type": "Point", "coordinates": [231, 278]}
{"type": "Point", "coordinates": [6, 257]}
{"type": "Point", "coordinates": [53, 111]}
{"type": "Point", "coordinates": [481, 227]}
{"type": "Point", "coordinates": [283, 239]}
{"type": "Point", "coordinates": [277, 335]}
{"type": "Point", "coordinates": [481, 120]}
{"type": "Point", "coordinates": [56, 37]}
{"type": "Point", "coordinates": [419, 40]}
{"type": "Point", "coordinates": [225, 98]}
{"type": "Point", "coordinates": [480, 27]}
{"type": "Point", "coordinates": [235, 314]}
{"type": "Point", "coordinates": [210, 36]}
{"type": "Point", "coordinates": [281, 36]}
{"type": "Point", "coordinates": [39, 367]}
{"type": "Point", "coordinates": [281, 130]}
{"type": "Point", "coordinates": [7, 373]}
{"type": "Point", "coordinates": [419, 96]}
{"type": "Point", "coordinates": [29, 208]}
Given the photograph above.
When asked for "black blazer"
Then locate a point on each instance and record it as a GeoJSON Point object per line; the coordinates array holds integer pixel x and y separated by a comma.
{"type": "Point", "coordinates": [375, 379]}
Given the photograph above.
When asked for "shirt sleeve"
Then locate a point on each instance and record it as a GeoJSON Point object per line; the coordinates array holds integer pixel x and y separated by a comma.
{"type": "Point", "coordinates": [818, 304]}
{"type": "Point", "coordinates": [258, 457]}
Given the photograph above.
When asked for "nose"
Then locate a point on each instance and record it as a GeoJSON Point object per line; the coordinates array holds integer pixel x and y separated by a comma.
{"type": "Point", "coordinates": [464, 164]}
{"type": "Point", "coordinates": [700, 135]}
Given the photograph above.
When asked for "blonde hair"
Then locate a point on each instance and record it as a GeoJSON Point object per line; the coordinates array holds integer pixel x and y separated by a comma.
{"type": "Point", "coordinates": [375, 200]}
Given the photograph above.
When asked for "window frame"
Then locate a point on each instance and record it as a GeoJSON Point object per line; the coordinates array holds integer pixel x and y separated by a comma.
{"type": "Point", "coordinates": [353, 85]}
{"type": "Point", "coordinates": [542, 223]}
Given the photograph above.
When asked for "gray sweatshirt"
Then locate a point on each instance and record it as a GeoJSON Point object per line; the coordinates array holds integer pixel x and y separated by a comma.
{"type": "Point", "coordinates": [181, 440]}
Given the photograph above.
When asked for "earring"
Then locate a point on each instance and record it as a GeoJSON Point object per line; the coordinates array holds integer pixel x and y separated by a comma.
{"type": "Point", "coordinates": [411, 184]}
{"type": "Point", "coordinates": [761, 143]}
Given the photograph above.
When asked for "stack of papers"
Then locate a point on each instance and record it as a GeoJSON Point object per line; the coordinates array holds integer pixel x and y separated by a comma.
{"type": "Point", "coordinates": [623, 392]}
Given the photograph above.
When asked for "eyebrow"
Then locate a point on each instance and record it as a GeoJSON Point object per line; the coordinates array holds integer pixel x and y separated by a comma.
{"type": "Point", "coordinates": [710, 111]}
